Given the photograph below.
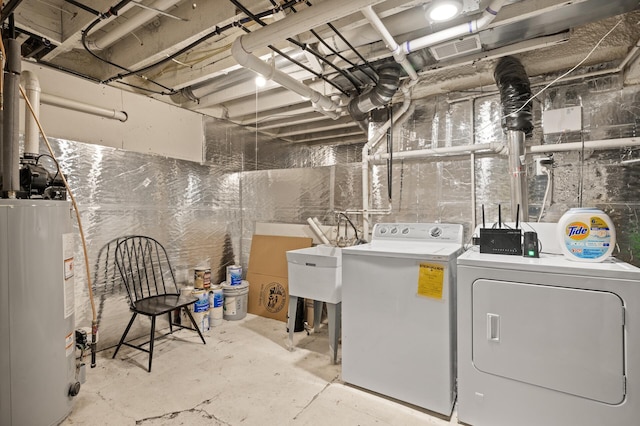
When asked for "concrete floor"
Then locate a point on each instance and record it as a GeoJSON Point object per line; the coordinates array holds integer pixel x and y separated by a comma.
{"type": "Point", "coordinates": [244, 375]}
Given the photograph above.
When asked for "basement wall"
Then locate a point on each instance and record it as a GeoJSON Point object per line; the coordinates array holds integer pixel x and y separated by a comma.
{"type": "Point", "coordinates": [205, 212]}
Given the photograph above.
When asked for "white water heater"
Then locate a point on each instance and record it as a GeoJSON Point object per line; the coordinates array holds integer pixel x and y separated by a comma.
{"type": "Point", "coordinates": [37, 363]}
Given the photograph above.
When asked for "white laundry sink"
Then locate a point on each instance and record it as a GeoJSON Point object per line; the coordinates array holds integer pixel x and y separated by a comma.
{"type": "Point", "coordinates": [316, 273]}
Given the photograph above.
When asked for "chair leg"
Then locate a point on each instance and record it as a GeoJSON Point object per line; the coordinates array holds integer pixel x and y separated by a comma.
{"type": "Point", "coordinates": [153, 334]}
{"type": "Point", "coordinates": [193, 321]}
{"type": "Point", "coordinates": [124, 335]}
{"type": "Point", "coordinates": [170, 323]}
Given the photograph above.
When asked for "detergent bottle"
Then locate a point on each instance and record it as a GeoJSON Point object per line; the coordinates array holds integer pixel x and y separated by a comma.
{"type": "Point", "coordinates": [586, 235]}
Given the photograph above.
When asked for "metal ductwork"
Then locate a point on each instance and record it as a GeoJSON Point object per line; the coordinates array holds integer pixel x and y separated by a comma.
{"type": "Point", "coordinates": [515, 95]}
{"type": "Point", "coordinates": [515, 91]}
{"type": "Point", "coordinates": [378, 96]}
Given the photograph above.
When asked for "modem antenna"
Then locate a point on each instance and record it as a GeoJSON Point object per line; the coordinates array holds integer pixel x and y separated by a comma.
{"type": "Point", "coordinates": [499, 216]}
{"type": "Point", "coordinates": [517, 215]}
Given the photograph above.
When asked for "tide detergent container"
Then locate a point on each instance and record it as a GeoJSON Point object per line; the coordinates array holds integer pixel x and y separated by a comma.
{"type": "Point", "coordinates": [586, 235]}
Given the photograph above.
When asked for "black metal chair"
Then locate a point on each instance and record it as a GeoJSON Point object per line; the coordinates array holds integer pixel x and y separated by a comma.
{"type": "Point", "coordinates": [151, 286]}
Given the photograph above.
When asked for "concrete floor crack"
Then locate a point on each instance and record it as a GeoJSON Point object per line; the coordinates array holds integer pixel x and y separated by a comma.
{"type": "Point", "coordinates": [335, 379]}
{"type": "Point", "coordinates": [195, 410]}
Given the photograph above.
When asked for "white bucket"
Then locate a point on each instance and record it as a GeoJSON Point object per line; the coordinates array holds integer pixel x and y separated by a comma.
{"type": "Point", "coordinates": [234, 275]}
{"type": "Point", "coordinates": [216, 305]}
{"type": "Point", "coordinates": [200, 309]}
{"type": "Point", "coordinates": [235, 300]}
{"type": "Point", "coordinates": [586, 235]}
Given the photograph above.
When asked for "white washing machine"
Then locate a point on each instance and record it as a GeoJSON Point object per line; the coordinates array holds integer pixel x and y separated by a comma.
{"type": "Point", "coordinates": [398, 313]}
{"type": "Point", "coordinates": [547, 341]}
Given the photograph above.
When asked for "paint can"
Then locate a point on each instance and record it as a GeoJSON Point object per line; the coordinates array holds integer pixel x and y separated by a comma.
{"type": "Point", "coordinates": [202, 278]}
{"type": "Point", "coordinates": [235, 300]}
{"type": "Point", "coordinates": [200, 309]}
{"type": "Point", "coordinates": [216, 305]}
{"type": "Point", "coordinates": [234, 275]}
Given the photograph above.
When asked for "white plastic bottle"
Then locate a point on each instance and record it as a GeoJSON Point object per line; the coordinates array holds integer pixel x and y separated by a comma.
{"type": "Point", "coordinates": [586, 235]}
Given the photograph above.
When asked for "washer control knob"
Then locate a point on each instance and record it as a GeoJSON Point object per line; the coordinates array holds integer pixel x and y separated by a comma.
{"type": "Point", "coordinates": [435, 232]}
{"type": "Point", "coordinates": [394, 230]}
{"type": "Point", "coordinates": [383, 230]}
{"type": "Point", "coordinates": [405, 231]}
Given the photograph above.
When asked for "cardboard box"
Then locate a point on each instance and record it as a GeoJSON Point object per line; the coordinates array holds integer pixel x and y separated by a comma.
{"type": "Point", "coordinates": [267, 274]}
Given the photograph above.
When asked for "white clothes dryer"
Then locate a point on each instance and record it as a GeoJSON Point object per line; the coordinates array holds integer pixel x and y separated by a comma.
{"type": "Point", "coordinates": [547, 341]}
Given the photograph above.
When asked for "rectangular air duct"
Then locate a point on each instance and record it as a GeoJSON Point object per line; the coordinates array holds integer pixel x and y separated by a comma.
{"type": "Point", "coordinates": [457, 47]}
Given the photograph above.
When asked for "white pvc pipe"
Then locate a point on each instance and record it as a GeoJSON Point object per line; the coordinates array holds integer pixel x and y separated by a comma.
{"type": "Point", "coordinates": [247, 60]}
{"type": "Point", "coordinates": [498, 148]}
{"type": "Point", "coordinates": [31, 87]}
{"type": "Point", "coordinates": [133, 23]}
{"type": "Point", "coordinates": [317, 222]}
{"type": "Point", "coordinates": [436, 152]}
{"type": "Point", "coordinates": [82, 107]}
{"type": "Point", "coordinates": [398, 54]}
{"type": "Point", "coordinates": [318, 231]}
{"type": "Point", "coordinates": [304, 20]}
{"type": "Point", "coordinates": [588, 145]}
{"type": "Point", "coordinates": [488, 15]}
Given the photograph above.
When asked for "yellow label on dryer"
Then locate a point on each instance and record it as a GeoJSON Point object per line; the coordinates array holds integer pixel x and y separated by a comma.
{"type": "Point", "coordinates": [431, 280]}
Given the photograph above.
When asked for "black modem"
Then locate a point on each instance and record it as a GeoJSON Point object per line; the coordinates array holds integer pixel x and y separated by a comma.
{"type": "Point", "coordinates": [501, 240]}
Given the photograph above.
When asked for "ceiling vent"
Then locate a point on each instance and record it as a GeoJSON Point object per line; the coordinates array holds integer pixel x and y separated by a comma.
{"type": "Point", "coordinates": [457, 47]}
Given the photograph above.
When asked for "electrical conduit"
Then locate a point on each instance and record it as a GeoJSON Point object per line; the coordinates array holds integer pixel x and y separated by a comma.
{"type": "Point", "coordinates": [128, 26]}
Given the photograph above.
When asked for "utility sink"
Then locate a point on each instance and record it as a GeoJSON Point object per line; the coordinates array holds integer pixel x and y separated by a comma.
{"type": "Point", "coordinates": [316, 273]}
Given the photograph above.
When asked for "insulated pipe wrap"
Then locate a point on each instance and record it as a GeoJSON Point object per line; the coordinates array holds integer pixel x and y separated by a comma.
{"type": "Point", "coordinates": [380, 95]}
{"type": "Point", "coordinates": [515, 91]}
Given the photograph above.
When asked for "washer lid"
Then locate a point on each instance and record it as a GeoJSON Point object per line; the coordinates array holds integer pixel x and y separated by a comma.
{"type": "Point", "coordinates": [405, 249]}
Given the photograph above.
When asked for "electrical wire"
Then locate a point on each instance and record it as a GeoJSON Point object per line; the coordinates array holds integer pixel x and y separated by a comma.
{"type": "Point", "coordinates": [374, 79]}
{"type": "Point", "coordinates": [555, 80]}
{"type": "Point", "coordinates": [94, 323]}
{"type": "Point", "coordinates": [321, 40]}
{"type": "Point", "coordinates": [73, 199]}
{"type": "Point", "coordinates": [300, 64]}
{"type": "Point", "coordinates": [355, 231]}
{"type": "Point", "coordinates": [303, 46]}
{"type": "Point", "coordinates": [546, 194]}
{"type": "Point", "coordinates": [568, 72]}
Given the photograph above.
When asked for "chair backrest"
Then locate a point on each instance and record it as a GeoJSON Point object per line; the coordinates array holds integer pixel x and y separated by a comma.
{"type": "Point", "coordinates": [145, 268]}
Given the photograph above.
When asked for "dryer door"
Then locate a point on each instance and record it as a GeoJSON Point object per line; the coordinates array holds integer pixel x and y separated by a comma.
{"type": "Point", "coordinates": [565, 339]}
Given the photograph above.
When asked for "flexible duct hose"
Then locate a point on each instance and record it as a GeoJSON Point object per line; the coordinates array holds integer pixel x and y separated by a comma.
{"type": "Point", "coordinates": [380, 95]}
{"type": "Point", "coordinates": [515, 91]}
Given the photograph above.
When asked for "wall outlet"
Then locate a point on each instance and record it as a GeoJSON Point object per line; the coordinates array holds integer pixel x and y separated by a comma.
{"type": "Point", "coordinates": [543, 165]}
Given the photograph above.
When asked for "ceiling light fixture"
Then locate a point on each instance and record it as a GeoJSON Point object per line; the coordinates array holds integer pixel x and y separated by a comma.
{"type": "Point", "coordinates": [443, 10]}
{"type": "Point", "coordinates": [261, 81]}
